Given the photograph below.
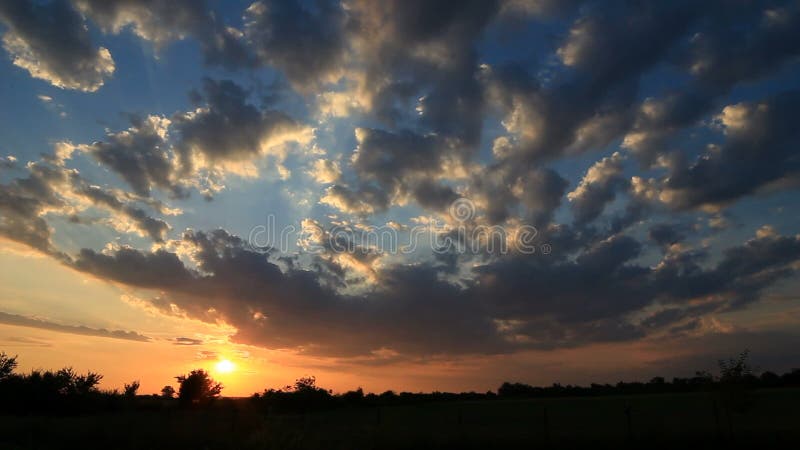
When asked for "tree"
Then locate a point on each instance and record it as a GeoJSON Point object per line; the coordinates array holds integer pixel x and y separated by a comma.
{"type": "Point", "coordinates": [305, 384]}
{"type": "Point", "coordinates": [68, 382]}
{"type": "Point", "coordinates": [735, 370]}
{"type": "Point", "coordinates": [737, 380]}
{"type": "Point", "coordinates": [198, 387]}
{"type": "Point", "coordinates": [7, 365]}
{"type": "Point", "coordinates": [131, 389]}
{"type": "Point", "coordinates": [167, 392]}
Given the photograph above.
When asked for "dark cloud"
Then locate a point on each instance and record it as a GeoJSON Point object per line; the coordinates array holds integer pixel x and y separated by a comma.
{"type": "Point", "coordinates": [598, 188]}
{"type": "Point", "coordinates": [8, 162]}
{"type": "Point", "coordinates": [52, 43]}
{"type": "Point", "coordinates": [434, 196]}
{"type": "Point", "coordinates": [24, 200]}
{"type": "Point", "coordinates": [53, 189]}
{"type": "Point", "coordinates": [760, 151]}
{"type": "Point", "coordinates": [658, 120]}
{"type": "Point", "coordinates": [542, 192]}
{"type": "Point", "coordinates": [667, 234]}
{"type": "Point", "coordinates": [392, 166]}
{"type": "Point", "coordinates": [22, 321]}
{"type": "Point", "coordinates": [162, 22]}
{"type": "Point", "coordinates": [364, 200]}
{"type": "Point", "coordinates": [305, 41]}
{"type": "Point", "coordinates": [606, 52]}
{"type": "Point", "coordinates": [749, 41]}
{"type": "Point", "coordinates": [501, 188]}
{"type": "Point", "coordinates": [187, 341]}
{"type": "Point", "coordinates": [149, 226]}
{"type": "Point", "coordinates": [140, 155]}
{"type": "Point", "coordinates": [515, 302]}
{"type": "Point", "coordinates": [424, 50]}
{"type": "Point", "coordinates": [403, 163]}
{"type": "Point", "coordinates": [604, 284]}
{"type": "Point", "coordinates": [416, 55]}
{"type": "Point", "coordinates": [228, 129]}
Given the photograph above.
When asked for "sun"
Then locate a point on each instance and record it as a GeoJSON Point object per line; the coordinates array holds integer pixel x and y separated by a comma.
{"type": "Point", "coordinates": [225, 366]}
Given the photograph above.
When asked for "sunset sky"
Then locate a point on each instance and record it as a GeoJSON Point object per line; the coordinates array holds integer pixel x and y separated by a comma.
{"type": "Point", "coordinates": [189, 182]}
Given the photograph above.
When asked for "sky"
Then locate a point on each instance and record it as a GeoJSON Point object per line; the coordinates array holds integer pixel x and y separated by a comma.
{"type": "Point", "coordinates": [408, 195]}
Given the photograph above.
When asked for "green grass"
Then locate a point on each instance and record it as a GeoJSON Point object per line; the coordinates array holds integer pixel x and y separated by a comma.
{"type": "Point", "coordinates": [656, 421]}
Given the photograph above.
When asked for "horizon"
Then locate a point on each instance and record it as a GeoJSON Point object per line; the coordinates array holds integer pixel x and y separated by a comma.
{"type": "Point", "coordinates": [225, 366]}
{"type": "Point", "coordinates": [404, 195]}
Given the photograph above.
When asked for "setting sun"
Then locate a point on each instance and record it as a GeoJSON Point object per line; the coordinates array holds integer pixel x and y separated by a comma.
{"type": "Point", "coordinates": [225, 366]}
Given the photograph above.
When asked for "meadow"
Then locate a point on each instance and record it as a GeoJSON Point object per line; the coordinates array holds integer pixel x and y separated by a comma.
{"type": "Point", "coordinates": [626, 421]}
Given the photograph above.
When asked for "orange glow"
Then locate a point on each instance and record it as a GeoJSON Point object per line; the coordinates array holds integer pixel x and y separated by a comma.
{"type": "Point", "coordinates": [225, 366]}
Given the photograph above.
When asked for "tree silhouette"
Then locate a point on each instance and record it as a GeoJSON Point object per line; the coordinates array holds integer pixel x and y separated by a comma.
{"type": "Point", "coordinates": [7, 365]}
{"type": "Point", "coordinates": [197, 387]}
{"type": "Point", "coordinates": [735, 370]}
{"type": "Point", "coordinates": [68, 382]}
{"type": "Point", "coordinates": [167, 392]}
{"type": "Point", "coordinates": [737, 380]}
{"type": "Point", "coordinates": [131, 389]}
{"type": "Point", "coordinates": [305, 384]}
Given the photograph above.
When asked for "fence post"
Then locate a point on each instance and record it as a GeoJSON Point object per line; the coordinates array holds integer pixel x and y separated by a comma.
{"type": "Point", "coordinates": [716, 419]}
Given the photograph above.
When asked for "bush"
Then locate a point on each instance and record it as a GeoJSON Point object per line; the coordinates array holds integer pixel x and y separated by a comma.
{"type": "Point", "coordinates": [198, 388]}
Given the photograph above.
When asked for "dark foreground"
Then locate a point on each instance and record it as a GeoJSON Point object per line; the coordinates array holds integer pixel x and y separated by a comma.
{"type": "Point", "coordinates": [646, 421]}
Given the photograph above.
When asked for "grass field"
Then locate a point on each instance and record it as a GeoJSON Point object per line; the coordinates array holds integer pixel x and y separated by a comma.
{"type": "Point", "coordinates": [653, 421]}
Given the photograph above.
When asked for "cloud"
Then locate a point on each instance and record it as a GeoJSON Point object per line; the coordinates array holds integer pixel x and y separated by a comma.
{"type": "Point", "coordinates": [163, 22]}
{"type": "Point", "coordinates": [306, 42]}
{"type": "Point", "coordinates": [227, 133]}
{"type": "Point", "coordinates": [141, 155]}
{"type": "Point", "coordinates": [723, 54]}
{"type": "Point", "coordinates": [666, 235]}
{"type": "Point", "coordinates": [607, 50]}
{"type": "Point", "coordinates": [52, 43]}
{"type": "Point", "coordinates": [366, 200]}
{"type": "Point", "coordinates": [187, 341]}
{"type": "Point", "coordinates": [8, 162]}
{"type": "Point", "coordinates": [141, 221]}
{"type": "Point", "coordinates": [422, 52]}
{"type": "Point", "coordinates": [515, 302]}
{"type": "Point", "coordinates": [23, 201]}
{"type": "Point", "coordinates": [598, 188]}
{"type": "Point", "coordinates": [325, 171]}
{"type": "Point", "coordinates": [22, 321]}
{"type": "Point", "coordinates": [53, 189]}
{"type": "Point", "coordinates": [499, 189]}
{"type": "Point", "coordinates": [759, 152]}
{"type": "Point", "coordinates": [719, 57]}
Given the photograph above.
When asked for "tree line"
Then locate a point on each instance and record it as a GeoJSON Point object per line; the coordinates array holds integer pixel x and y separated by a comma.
{"type": "Point", "coordinates": [67, 392]}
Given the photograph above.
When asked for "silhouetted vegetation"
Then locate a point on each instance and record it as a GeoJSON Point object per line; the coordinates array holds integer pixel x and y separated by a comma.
{"type": "Point", "coordinates": [302, 396]}
{"type": "Point", "coordinates": [7, 365]}
{"type": "Point", "coordinates": [197, 388]}
{"type": "Point", "coordinates": [736, 406]}
{"type": "Point", "coordinates": [66, 391]}
{"type": "Point", "coordinates": [167, 392]}
{"type": "Point", "coordinates": [58, 392]}
{"type": "Point", "coordinates": [130, 389]}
